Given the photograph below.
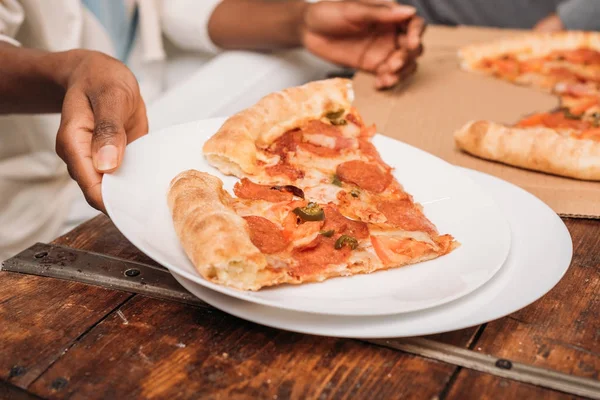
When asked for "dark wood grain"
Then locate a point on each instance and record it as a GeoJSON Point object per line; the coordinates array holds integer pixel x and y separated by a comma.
{"type": "Point", "coordinates": [462, 338]}
{"type": "Point", "coordinates": [157, 349]}
{"type": "Point", "coordinates": [475, 385]}
{"type": "Point", "coordinates": [11, 392]}
{"type": "Point", "coordinates": [561, 331]}
{"type": "Point", "coordinates": [100, 235]}
{"type": "Point", "coordinates": [41, 318]}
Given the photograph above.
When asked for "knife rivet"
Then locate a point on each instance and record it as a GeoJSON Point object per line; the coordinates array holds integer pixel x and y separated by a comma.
{"type": "Point", "coordinates": [503, 364]}
{"type": "Point", "coordinates": [132, 272]}
{"type": "Point", "coordinates": [41, 254]}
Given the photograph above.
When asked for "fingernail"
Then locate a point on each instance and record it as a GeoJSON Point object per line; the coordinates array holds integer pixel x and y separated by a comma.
{"type": "Point", "coordinates": [107, 158]}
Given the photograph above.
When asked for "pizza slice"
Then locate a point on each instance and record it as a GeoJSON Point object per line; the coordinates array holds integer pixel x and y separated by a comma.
{"type": "Point", "coordinates": [314, 199]}
{"type": "Point", "coordinates": [565, 141]}
{"type": "Point", "coordinates": [563, 62]}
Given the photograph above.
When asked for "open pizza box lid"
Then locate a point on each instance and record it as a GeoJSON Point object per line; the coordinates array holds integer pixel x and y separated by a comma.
{"type": "Point", "coordinates": [440, 98]}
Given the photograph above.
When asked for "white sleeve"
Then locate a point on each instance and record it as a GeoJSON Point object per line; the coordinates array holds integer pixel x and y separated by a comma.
{"type": "Point", "coordinates": [185, 23]}
{"type": "Point", "coordinates": [11, 18]}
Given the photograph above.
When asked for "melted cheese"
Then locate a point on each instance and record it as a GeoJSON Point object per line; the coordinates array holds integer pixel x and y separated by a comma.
{"type": "Point", "coordinates": [325, 164]}
{"type": "Point", "coordinates": [323, 194]}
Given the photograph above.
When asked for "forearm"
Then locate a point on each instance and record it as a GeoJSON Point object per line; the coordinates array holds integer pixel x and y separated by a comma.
{"type": "Point", "coordinates": [32, 81]}
{"type": "Point", "coordinates": [257, 24]}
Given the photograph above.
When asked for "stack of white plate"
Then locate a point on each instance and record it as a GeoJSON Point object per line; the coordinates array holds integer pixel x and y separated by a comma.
{"type": "Point", "coordinates": [513, 249]}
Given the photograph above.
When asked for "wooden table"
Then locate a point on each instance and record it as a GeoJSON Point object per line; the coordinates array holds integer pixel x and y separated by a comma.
{"type": "Point", "coordinates": [64, 339]}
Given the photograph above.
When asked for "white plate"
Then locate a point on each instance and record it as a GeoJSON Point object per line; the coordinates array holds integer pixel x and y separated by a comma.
{"type": "Point", "coordinates": [135, 198]}
{"type": "Point", "coordinates": [539, 257]}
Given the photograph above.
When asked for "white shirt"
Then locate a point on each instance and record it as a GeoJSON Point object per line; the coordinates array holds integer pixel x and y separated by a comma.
{"type": "Point", "coordinates": [38, 200]}
{"type": "Point", "coordinates": [35, 189]}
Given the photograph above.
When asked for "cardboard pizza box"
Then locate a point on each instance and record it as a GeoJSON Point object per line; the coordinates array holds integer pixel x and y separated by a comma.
{"type": "Point", "coordinates": [427, 109]}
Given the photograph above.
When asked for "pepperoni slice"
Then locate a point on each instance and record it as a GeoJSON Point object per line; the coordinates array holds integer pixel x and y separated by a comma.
{"type": "Point", "coordinates": [265, 235]}
{"type": "Point", "coordinates": [565, 74]}
{"type": "Point", "coordinates": [369, 150]}
{"type": "Point", "coordinates": [319, 128]}
{"type": "Point", "coordinates": [404, 214]}
{"type": "Point", "coordinates": [320, 150]}
{"type": "Point", "coordinates": [577, 56]}
{"type": "Point", "coordinates": [399, 251]}
{"type": "Point", "coordinates": [364, 175]}
{"type": "Point", "coordinates": [555, 120]}
{"type": "Point", "coordinates": [322, 252]}
{"type": "Point", "coordinates": [287, 143]}
{"type": "Point", "coordinates": [246, 189]}
{"type": "Point", "coordinates": [335, 221]}
{"type": "Point", "coordinates": [286, 170]}
{"type": "Point", "coordinates": [354, 119]}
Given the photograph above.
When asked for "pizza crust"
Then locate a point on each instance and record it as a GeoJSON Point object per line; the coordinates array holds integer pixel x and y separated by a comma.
{"type": "Point", "coordinates": [539, 148]}
{"type": "Point", "coordinates": [533, 45]}
{"type": "Point", "coordinates": [233, 149]}
{"type": "Point", "coordinates": [213, 236]}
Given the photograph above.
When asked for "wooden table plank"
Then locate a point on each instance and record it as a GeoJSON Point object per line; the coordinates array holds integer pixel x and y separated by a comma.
{"type": "Point", "coordinates": [151, 346]}
{"type": "Point", "coordinates": [561, 331]}
{"type": "Point", "coordinates": [41, 318]}
{"type": "Point", "coordinates": [101, 235]}
{"type": "Point", "coordinates": [158, 349]}
{"type": "Point", "coordinates": [11, 392]}
{"type": "Point", "coordinates": [479, 386]}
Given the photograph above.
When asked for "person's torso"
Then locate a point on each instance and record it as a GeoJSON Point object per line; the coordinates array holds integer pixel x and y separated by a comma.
{"type": "Point", "coordinates": [516, 14]}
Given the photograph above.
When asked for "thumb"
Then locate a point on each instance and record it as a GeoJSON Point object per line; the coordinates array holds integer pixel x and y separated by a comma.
{"type": "Point", "coordinates": [109, 138]}
{"type": "Point", "coordinates": [389, 13]}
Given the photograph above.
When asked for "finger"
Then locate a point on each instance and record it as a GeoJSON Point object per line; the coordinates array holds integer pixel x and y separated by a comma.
{"type": "Point", "coordinates": [394, 62]}
{"type": "Point", "coordinates": [402, 41]}
{"type": "Point", "coordinates": [111, 107]}
{"type": "Point", "coordinates": [389, 80]}
{"type": "Point", "coordinates": [377, 51]}
{"type": "Point", "coordinates": [407, 71]}
{"type": "Point", "coordinates": [379, 13]}
{"type": "Point", "coordinates": [138, 124]}
{"type": "Point", "coordinates": [414, 32]}
{"type": "Point", "coordinates": [73, 145]}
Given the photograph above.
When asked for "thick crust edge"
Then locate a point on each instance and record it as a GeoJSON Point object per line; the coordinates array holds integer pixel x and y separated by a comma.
{"type": "Point", "coordinates": [213, 236]}
{"type": "Point", "coordinates": [539, 149]}
{"type": "Point", "coordinates": [535, 44]}
{"type": "Point", "coordinates": [233, 148]}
